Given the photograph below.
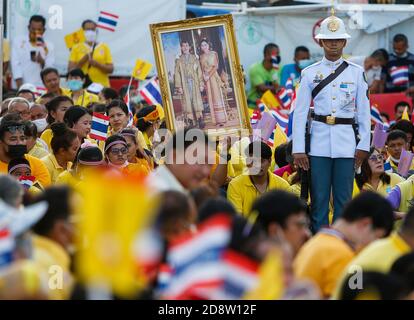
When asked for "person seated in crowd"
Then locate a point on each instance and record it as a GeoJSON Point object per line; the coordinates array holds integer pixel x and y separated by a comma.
{"type": "Point", "coordinates": [284, 169]}
{"type": "Point", "coordinates": [45, 98]}
{"type": "Point", "coordinates": [116, 156]}
{"type": "Point", "coordinates": [31, 54]}
{"type": "Point", "coordinates": [407, 127]}
{"type": "Point", "coordinates": [147, 123]}
{"type": "Point", "coordinates": [88, 158]}
{"type": "Point", "coordinates": [244, 189]}
{"type": "Point", "coordinates": [76, 82]}
{"type": "Point", "coordinates": [401, 196]}
{"type": "Point", "coordinates": [400, 58]}
{"type": "Point", "coordinates": [79, 119]}
{"type": "Point", "coordinates": [54, 236]}
{"type": "Point", "coordinates": [324, 257]}
{"type": "Point", "coordinates": [64, 147]}
{"type": "Point", "coordinates": [399, 109]}
{"type": "Point", "coordinates": [288, 220]}
{"type": "Point", "coordinates": [20, 169]}
{"type": "Point", "coordinates": [36, 147]}
{"type": "Point", "coordinates": [13, 144]}
{"type": "Point", "coordinates": [56, 109]}
{"type": "Point", "coordinates": [107, 95]}
{"type": "Point", "coordinates": [118, 114]}
{"type": "Point", "coordinates": [292, 71]}
{"type": "Point", "coordinates": [51, 80]}
{"type": "Point", "coordinates": [380, 255]}
{"type": "Point", "coordinates": [395, 143]}
{"type": "Point", "coordinates": [181, 172]}
{"type": "Point", "coordinates": [26, 94]}
{"type": "Point", "coordinates": [373, 177]}
{"type": "Point", "coordinates": [20, 106]}
{"type": "Point", "coordinates": [404, 267]}
{"type": "Point", "coordinates": [38, 112]}
{"type": "Point", "coordinates": [94, 58]}
{"type": "Point", "coordinates": [373, 66]}
{"type": "Point", "coordinates": [263, 76]}
{"type": "Point", "coordinates": [136, 153]}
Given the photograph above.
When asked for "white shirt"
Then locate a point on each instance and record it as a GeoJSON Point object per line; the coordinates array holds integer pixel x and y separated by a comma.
{"type": "Point", "coordinates": [345, 97]}
{"type": "Point", "coordinates": [21, 63]}
{"type": "Point", "coordinates": [162, 179]}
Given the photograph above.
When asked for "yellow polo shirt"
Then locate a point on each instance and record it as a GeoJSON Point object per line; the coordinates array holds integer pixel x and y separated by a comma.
{"type": "Point", "coordinates": [38, 152]}
{"type": "Point", "coordinates": [242, 193]}
{"type": "Point", "coordinates": [53, 167]}
{"type": "Point", "coordinates": [47, 136]}
{"type": "Point", "coordinates": [382, 189]}
{"type": "Point", "coordinates": [85, 99]}
{"type": "Point", "coordinates": [377, 256]}
{"type": "Point", "coordinates": [322, 260]}
{"type": "Point", "coordinates": [38, 168]}
{"type": "Point", "coordinates": [101, 54]}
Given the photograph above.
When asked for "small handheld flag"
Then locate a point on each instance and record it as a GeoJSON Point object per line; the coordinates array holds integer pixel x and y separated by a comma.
{"type": "Point", "coordinates": [284, 98]}
{"type": "Point", "coordinates": [141, 69]}
{"type": "Point", "coordinates": [99, 129]}
{"type": "Point", "coordinates": [265, 127]}
{"type": "Point", "coordinates": [27, 181]}
{"type": "Point", "coordinates": [269, 99]}
{"type": "Point", "coordinates": [375, 114]}
{"type": "Point", "coordinates": [151, 92]}
{"type": "Point", "coordinates": [75, 38]}
{"type": "Point", "coordinates": [6, 247]}
{"type": "Point", "coordinates": [289, 87]}
{"type": "Point", "coordinates": [399, 75]}
{"type": "Point", "coordinates": [380, 136]}
{"type": "Point", "coordinates": [282, 120]}
{"type": "Point", "coordinates": [406, 160]}
{"type": "Point", "coordinates": [405, 115]}
{"type": "Point", "coordinates": [107, 21]}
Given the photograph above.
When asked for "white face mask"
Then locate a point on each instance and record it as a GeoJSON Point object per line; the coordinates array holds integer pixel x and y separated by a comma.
{"type": "Point", "coordinates": [90, 35]}
{"type": "Point", "coordinates": [41, 124]}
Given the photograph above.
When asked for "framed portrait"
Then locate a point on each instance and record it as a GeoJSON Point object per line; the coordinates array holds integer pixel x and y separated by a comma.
{"type": "Point", "coordinates": [200, 76]}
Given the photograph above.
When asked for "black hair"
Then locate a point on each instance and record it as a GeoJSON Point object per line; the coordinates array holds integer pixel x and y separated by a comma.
{"type": "Point", "coordinates": [301, 49]}
{"type": "Point", "coordinates": [288, 204]}
{"type": "Point", "coordinates": [99, 108]}
{"type": "Point", "coordinates": [404, 268]}
{"type": "Point", "coordinates": [53, 105]}
{"type": "Point", "coordinates": [280, 155]}
{"type": "Point", "coordinates": [405, 126]}
{"type": "Point", "coordinates": [381, 286]}
{"type": "Point", "coordinates": [38, 18]}
{"type": "Point", "coordinates": [88, 154]}
{"type": "Point", "coordinates": [396, 134]}
{"type": "Point", "coordinates": [384, 53]}
{"type": "Point", "coordinates": [113, 138]}
{"type": "Point", "coordinates": [77, 72]}
{"type": "Point", "coordinates": [366, 173]}
{"type": "Point", "coordinates": [110, 93]}
{"type": "Point", "coordinates": [370, 205]}
{"type": "Point", "coordinates": [268, 47]}
{"type": "Point", "coordinates": [400, 38]}
{"type": "Point", "coordinates": [17, 161]}
{"type": "Point", "coordinates": [5, 125]}
{"type": "Point", "coordinates": [402, 104]}
{"type": "Point", "coordinates": [386, 115]}
{"type": "Point", "coordinates": [265, 150]}
{"type": "Point", "coordinates": [12, 116]}
{"type": "Point", "coordinates": [62, 137]}
{"type": "Point", "coordinates": [117, 104]}
{"type": "Point", "coordinates": [87, 21]}
{"type": "Point", "coordinates": [380, 54]}
{"type": "Point", "coordinates": [57, 198]}
{"type": "Point", "coordinates": [26, 91]}
{"type": "Point", "coordinates": [407, 226]}
{"type": "Point", "coordinates": [143, 125]}
{"type": "Point", "coordinates": [124, 90]}
{"type": "Point", "coordinates": [73, 114]}
{"type": "Point", "coordinates": [213, 206]}
{"type": "Point", "coordinates": [30, 129]}
{"type": "Point", "coordinates": [46, 71]}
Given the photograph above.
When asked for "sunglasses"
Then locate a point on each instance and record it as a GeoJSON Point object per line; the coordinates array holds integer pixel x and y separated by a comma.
{"type": "Point", "coordinates": [14, 129]}
{"type": "Point", "coordinates": [116, 151]}
{"type": "Point", "coordinates": [376, 157]}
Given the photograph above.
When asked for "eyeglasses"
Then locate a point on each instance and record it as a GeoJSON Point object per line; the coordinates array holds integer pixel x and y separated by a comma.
{"type": "Point", "coordinates": [376, 157]}
{"type": "Point", "coordinates": [116, 151]}
{"type": "Point", "coordinates": [14, 129]}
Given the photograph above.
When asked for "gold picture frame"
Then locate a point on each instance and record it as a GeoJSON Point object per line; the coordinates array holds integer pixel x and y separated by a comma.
{"type": "Point", "coordinates": [185, 49]}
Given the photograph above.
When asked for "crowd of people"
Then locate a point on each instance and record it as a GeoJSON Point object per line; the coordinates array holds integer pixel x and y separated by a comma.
{"type": "Point", "coordinates": [233, 227]}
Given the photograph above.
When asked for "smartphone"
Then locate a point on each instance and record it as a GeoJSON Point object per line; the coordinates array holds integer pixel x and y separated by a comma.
{"type": "Point", "coordinates": [33, 55]}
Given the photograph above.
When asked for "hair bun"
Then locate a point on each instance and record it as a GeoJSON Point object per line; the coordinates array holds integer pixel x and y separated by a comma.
{"type": "Point", "coordinates": [58, 128]}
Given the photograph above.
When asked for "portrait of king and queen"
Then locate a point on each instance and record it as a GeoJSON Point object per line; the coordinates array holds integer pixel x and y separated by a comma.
{"type": "Point", "coordinates": [199, 77]}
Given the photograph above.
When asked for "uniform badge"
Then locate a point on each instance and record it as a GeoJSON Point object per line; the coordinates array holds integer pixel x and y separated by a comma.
{"type": "Point", "coordinates": [318, 77]}
{"type": "Point", "coordinates": [333, 25]}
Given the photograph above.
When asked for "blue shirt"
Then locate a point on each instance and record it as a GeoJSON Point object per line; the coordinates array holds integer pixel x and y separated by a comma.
{"type": "Point", "coordinates": [289, 71]}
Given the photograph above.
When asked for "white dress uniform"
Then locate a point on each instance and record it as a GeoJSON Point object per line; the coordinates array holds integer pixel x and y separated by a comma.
{"type": "Point", "coordinates": [345, 97]}
{"type": "Point", "coordinates": [21, 64]}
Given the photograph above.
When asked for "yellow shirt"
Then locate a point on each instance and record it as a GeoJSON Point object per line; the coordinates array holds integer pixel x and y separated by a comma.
{"type": "Point", "coordinates": [67, 178]}
{"type": "Point", "coordinates": [101, 54]}
{"type": "Point", "coordinates": [85, 99]}
{"type": "Point", "coordinates": [49, 255]}
{"type": "Point", "coordinates": [6, 51]}
{"type": "Point", "coordinates": [382, 189]}
{"type": "Point", "coordinates": [322, 260]}
{"type": "Point", "coordinates": [136, 168]}
{"type": "Point", "coordinates": [53, 167]}
{"type": "Point", "coordinates": [38, 168]}
{"type": "Point", "coordinates": [38, 152]}
{"type": "Point", "coordinates": [377, 256]}
{"type": "Point", "coordinates": [47, 136]}
{"type": "Point", "coordinates": [242, 193]}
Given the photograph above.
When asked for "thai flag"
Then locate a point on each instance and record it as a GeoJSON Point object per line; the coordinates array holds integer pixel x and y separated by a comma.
{"type": "Point", "coordinates": [27, 181]}
{"type": "Point", "coordinates": [376, 115]}
{"type": "Point", "coordinates": [6, 247]}
{"type": "Point", "coordinates": [399, 75]}
{"type": "Point", "coordinates": [289, 87]}
{"type": "Point", "coordinates": [284, 98]}
{"type": "Point", "coordinates": [387, 167]}
{"type": "Point", "coordinates": [261, 105]}
{"type": "Point", "coordinates": [255, 117]}
{"type": "Point", "coordinates": [196, 260]}
{"type": "Point", "coordinates": [107, 21]}
{"type": "Point", "coordinates": [151, 92]}
{"type": "Point", "coordinates": [40, 91]}
{"type": "Point", "coordinates": [275, 64]}
{"type": "Point", "coordinates": [271, 141]}
{"type": "Point", "coordinates": [99, 129]}
{"type": "Point", "coordinates": [282, 120]}
{"type": "Point", "coordinates": [127, 102]}
{"type": "Point", "coordinates": [290, 119]}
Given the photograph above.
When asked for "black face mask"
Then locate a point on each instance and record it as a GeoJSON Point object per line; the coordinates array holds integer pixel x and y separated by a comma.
{"type": "Point", "coordinates": [17, 151]}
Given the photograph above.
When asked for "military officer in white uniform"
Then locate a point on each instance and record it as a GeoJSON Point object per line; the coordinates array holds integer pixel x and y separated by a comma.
{"type": "Point", "coordinates": [339, 92]}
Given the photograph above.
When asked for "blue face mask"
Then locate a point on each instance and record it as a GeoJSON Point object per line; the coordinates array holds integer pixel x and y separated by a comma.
{"type": "Point", "coordinates": [75, 85]}
{"type": "Point", "coordinates": [302, 64]}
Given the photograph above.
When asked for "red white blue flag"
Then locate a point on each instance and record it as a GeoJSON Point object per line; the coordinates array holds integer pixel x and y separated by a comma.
{"type": "Point", "coordinates": [151, 92]}
{"type": "Point", "coordinates": [399, 75]}
{"type": "Point", "coordinates": [6, 247]}
{"type": "Point", "coordinates": [284, 98]}
{"type": "Point", "coordinates": [107, 21]}
{"type": "Point", "coordinates": [99, 129]}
